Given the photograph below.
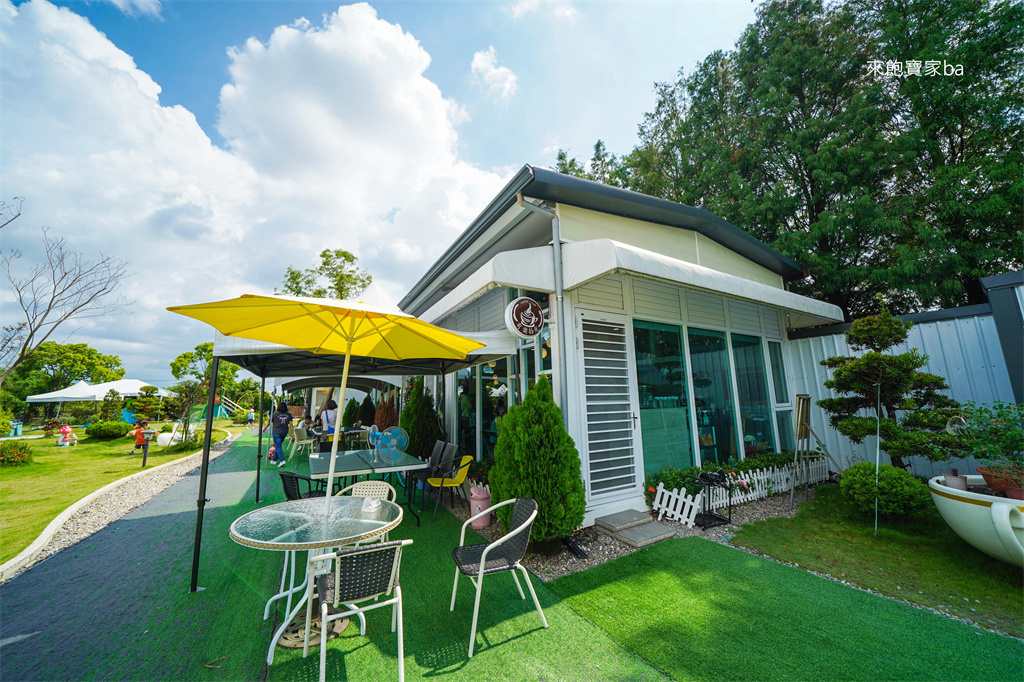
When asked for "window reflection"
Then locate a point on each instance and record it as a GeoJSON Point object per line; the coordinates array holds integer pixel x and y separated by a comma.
{"type": "Point", "coordinates": [664, 408]}
{"type": "Point", "coordinates": [752, 388]}
{"type": "Point", "coordinates": [712, 390]}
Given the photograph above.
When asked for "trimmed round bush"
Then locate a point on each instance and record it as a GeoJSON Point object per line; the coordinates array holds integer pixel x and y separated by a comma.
{"type": "Point", "coordinates": [108, 430]}
{"type": "Point", "coordinates": [899, 492]}
{"type": "Point", "coordinates": [5, 426]}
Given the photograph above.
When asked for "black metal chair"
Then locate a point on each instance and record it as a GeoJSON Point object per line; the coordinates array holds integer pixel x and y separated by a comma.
{"type": "Point", "coordinates": [445, 463]}
{"type": "Point", "coordinates": [359, 575]}
{"type": "Point", "coordinates": [292, 491]}
{"type": "Point", "coordinates": [476, 561]}
{"type": "Point", "coordinates": [421, 475]}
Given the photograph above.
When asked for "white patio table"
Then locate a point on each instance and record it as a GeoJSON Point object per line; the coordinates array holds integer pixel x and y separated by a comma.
{"type": "Point", "coordinates": [302, 525]}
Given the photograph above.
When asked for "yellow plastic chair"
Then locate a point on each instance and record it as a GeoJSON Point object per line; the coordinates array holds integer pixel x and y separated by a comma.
{"type": "Point", "coordinates": [451, 479]}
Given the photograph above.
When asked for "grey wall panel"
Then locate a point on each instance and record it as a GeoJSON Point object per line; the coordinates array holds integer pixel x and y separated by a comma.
{"type": "Point", "coordinates": [605, 293]}
{"type": "Point", "coordinates": [705, 309]}
{"type": "Point", "coordinates": [491, 310]}
{"type": "Point", "coordinates": [965, 351]}
{"type": "Point", "coordinates": [657, 300]}
{"type": "Point", "coordinates": [744, 317]}
{"type": "Point", "coordinates": [772, 320]}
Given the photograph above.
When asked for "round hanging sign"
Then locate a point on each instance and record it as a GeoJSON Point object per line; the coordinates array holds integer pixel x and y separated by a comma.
{"type": "Point", "coordinates": [524, 317]}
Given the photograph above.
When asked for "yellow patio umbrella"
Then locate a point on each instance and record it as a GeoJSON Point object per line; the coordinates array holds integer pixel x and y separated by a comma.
{"type": "Point", "coordinates": [329, 326]}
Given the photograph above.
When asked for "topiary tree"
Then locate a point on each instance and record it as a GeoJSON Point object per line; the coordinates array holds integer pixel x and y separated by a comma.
{"type": "Point", "coordinates": [914, 413]}
{"type": "Point", "coordinates": [146, 405]}
{"type": "Point", "coordinates": [535, 457]}
{"type": "Point", "coordinates": [386, 415]}
{"type": "Point", "coordinates": [110, 410]}
{"type": "Point", "coordinates": [367, 411]}
{"type": "Point", "coordinates": [351, 413]}
{"type": "Point", "coordinates": [420, 421]}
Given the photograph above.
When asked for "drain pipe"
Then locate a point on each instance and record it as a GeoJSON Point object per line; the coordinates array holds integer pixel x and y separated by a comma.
{"type": "Point", "coordinates": [556, 241]}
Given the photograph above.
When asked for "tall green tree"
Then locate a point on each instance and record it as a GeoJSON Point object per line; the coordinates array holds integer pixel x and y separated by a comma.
{"type": "Point", "coordinates": [906, 186]}
{"type": "Point", "coordinates": [62, 364]}
{"type": "Point", "coordinates": [192, 369]}
{"type": "Point", "coordinates": [337, 276]}
{"type": "Point", "coordinates": [959, 187]}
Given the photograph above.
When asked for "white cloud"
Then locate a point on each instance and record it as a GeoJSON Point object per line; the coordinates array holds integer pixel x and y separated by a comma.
{"type": "Point", "coordinates": [559, 9]}
{"type": "Point", "coordinates": [499, 80]}
{"type": "Point", "coordinates": [334, 136]}
{"type": "Point", "coordinates": [136, 7]}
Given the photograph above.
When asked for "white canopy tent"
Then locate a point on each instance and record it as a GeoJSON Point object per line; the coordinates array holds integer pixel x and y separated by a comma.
{"type": "Point", "coordinates": [77, 391]}
{"type": "Point", "coordinates": [82, 390]}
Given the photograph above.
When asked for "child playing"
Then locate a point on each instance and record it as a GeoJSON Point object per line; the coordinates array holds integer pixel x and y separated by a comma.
{"type": "Point", "coordinates": [140, 440]}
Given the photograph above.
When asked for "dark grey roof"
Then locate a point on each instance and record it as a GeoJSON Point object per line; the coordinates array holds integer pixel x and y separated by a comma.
{"type": "Point", "coordinates": [544, 184]}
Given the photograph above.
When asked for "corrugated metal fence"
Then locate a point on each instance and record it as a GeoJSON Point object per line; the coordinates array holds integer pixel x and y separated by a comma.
{"type": "Point", "coordinates": [964, 350]}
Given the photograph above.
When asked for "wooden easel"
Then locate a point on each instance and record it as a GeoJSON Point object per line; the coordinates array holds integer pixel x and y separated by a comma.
{"type": "Point", "coordinates": [803, 455]}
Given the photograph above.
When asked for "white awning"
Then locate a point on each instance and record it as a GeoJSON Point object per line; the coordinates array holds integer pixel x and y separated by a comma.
{"type": "Point", "coordinates": [586, 261]}
{"type": "Point", "coordinates": [83, 391]}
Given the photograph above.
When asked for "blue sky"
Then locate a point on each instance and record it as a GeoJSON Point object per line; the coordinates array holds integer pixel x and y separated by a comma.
{"type": "Point", "coordinates": [212, 144]}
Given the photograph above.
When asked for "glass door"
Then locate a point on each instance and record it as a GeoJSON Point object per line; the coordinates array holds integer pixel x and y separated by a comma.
{"type": "Point", "coordinates": [664, 408]}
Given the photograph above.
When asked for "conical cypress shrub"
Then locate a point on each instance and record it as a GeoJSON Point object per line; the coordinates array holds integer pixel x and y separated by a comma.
{"type": "Point", "coordinates": [351, 413]}
{"type": "Point", "coordinates": [535, 457]}
{"type": "Point", "coordinates": [367, 411]}
{"type": "Point", "coordinates": [420, 421]}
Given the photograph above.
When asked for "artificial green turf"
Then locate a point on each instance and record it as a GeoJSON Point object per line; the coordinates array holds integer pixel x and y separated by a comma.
{"type": "Point", "coordinates": [32, 495]}
{"type": "Point", "coordinates": [918, 559]}
{"type": "Point", "coordinates": [700, 610]}
{"type": "Point", "coordinates": [511, 644]}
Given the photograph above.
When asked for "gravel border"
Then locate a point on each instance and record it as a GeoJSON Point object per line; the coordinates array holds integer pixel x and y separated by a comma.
{"type": "Point", "coordinates": [106, 505]}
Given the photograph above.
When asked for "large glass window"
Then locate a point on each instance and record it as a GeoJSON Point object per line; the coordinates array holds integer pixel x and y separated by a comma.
{"type": "Point", "coordinates": [712, 390]}
{"type": "Point", "coordinates": [752, 388]}
{"type": "Point", "coordinates": [465, 410]}
{"type": "Point", "coordinates": [495, 400]}
{"type": "Point", "coordinates": [664, 408]}
{"type": "Point", "coordinates": [778, 373]}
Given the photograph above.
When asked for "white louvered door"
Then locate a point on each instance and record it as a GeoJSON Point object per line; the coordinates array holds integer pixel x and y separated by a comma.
{"type": "Point", "coordinates": [611, 408]}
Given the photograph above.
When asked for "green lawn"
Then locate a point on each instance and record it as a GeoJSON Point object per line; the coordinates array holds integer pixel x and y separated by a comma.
{"type": "Point", "coordinates": [918, 560]}
{"type": "Point", "coordinates": [32, 495]}
{"type": "Point", "coordinates": [699, 610]}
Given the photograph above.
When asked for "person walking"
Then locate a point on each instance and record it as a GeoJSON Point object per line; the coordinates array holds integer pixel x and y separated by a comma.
{"type": "Point", "coordinates": [281, 426]}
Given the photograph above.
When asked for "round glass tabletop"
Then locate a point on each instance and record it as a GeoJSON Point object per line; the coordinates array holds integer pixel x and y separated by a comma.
{"type": "Point", "coordinates": [302, 524]}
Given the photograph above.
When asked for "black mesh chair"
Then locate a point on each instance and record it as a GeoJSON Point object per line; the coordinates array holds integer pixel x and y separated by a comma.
{"type": "Point", "coordinates": [445, 464]}
{"type": "Point", "coordinates": [476, 561]}
{"type": "Point", "coordinates": [292, 491]}
{"type": "Point", "coordinates": [421, 475]}
{"type": "Point", "coordinates": [358, 575]}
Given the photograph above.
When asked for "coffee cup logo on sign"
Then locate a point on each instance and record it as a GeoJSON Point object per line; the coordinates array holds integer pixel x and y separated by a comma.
{"type": "Point", "coordinates": [524, 317]}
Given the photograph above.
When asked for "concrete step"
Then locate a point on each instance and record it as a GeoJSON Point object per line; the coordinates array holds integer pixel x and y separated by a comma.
{"type": "Point", "coordinates": [643, 535]}
{"type": "Point", "coordinates": [619, 521]}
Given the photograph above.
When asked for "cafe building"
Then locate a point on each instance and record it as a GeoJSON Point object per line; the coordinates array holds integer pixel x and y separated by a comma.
{"type": "Point", "coordinates": [662, 328]}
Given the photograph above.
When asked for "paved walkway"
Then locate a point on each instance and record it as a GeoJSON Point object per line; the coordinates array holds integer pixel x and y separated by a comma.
{"type": "Point", "coordinates": [116, 605]}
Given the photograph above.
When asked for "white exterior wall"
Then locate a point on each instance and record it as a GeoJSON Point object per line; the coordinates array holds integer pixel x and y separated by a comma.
{"type": "Point", "coordinates": [623, 298]}
{"type": "Point", "coordinates": [965, 351]}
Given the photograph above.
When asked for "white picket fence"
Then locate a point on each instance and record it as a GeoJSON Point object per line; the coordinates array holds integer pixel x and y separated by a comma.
{"type": "Point", "coordinates": [761, 483]}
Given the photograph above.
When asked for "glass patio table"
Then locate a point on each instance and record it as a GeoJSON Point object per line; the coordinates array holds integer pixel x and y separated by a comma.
{"type": "Point", "coordinates": [303, 525]}
{"type": "Point", "coordinates": [360, 462]}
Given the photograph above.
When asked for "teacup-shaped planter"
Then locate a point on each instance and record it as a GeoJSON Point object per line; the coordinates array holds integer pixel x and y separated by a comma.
{"type": "Point", "coordinates": [995, 525]}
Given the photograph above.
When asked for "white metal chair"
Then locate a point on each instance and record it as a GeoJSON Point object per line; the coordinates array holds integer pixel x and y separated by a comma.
{"type": "Point", "coordinates": [302, 441]}
{"type": "Point", "coordinates": [360, 574]}
{"type": "Point", "coordinates": [377, 490]}
{"type": "Point", "coordinates": [476, 561]}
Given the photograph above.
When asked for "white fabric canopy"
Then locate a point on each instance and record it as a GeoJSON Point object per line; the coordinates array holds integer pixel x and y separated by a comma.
{"type": "Point", "coordinates": [129, 388]}
{"type": "Point", "coordinates": [586, 261]}
{"type": "Point", "coordinates": [78, 391]}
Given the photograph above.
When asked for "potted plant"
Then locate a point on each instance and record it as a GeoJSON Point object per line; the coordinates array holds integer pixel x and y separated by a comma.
{"type": "Point", "coordinates": [994, 434]}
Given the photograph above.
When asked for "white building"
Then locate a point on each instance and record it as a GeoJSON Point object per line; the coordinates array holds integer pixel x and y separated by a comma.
{"type": "Point", "coordinates": [674, 328]}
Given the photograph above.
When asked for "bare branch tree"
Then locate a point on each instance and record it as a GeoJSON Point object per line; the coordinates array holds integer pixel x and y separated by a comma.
{"type": "Point", "coordinates": [67, 286]}
{"type": "Point", "coordinates": [8, 212]}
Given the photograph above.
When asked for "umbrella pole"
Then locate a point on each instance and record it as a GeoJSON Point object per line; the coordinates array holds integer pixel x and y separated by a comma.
{"type": "Point", "coordinates": [337, 429]}
{"type": "Point", "coordinates": [259, 440]}
{"type": "Point", "coordinates": [201, 502]}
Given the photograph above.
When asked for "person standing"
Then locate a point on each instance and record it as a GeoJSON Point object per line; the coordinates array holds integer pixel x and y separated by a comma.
{"type": "Point", "coordinates": [252, 416]}
{"type": "Point", "coordinates": [281, 426]}
{"type": "Point", "coordinates": [329, 416]}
